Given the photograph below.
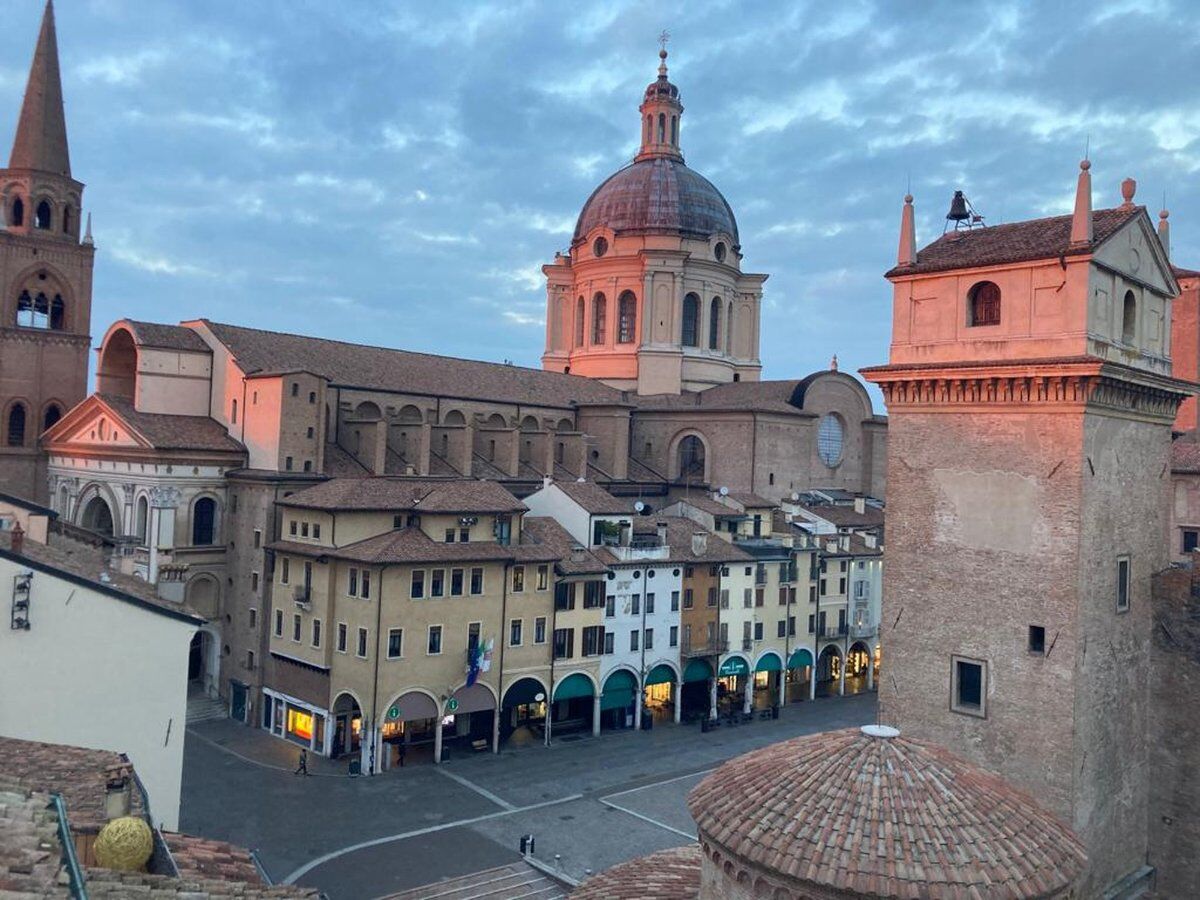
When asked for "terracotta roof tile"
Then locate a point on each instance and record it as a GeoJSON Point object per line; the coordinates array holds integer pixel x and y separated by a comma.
{"type": "Point", "coordinates": [381, 368]}
{"type": "Point", "coordinates": [79, 774]}
{"type": "Point", "coordinates": [845, 516]}
{"type": "Point", "coordinates": [1014, 242]}
{"type": "Point", "coordinates": [1185, 456]}
{"type": "Point", "coordinates": [571, 558]}
{"type": "Point", "coordinates": [104, 884]}
{"type": "Point", "coordinates": [166, 337]}
{"type": "Point", "coordinates": [197, 857]}
{"type": "Point", "coordinates": [172, 432]}
{"type": "Point", "coordinates": [667, 875]}
{"type": "Point", "coordinates": [679, 538]}
{"type": "Point", "coordinates": [595, 499]}
{"type": "Point", "coordinates": [30, 852]}
{"type": "Point", "coordinates": [738, 396]}
{"type": "Point", "coordinates": [462, 495]}
{"type": "Point", "coordinates": [881, 816]}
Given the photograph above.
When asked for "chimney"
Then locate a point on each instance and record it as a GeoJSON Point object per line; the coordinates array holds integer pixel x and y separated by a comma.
{"type": "Point", "coordinates": [578, 553]}
{"type": "Point", "coordinates": [661, 528]}
{"type": "Point", "coordinates": [1081, 221]}
{"type": "Point", "coordinates": [908, 235]}
{"type": "Point", "coordinates": [118, 788]}
{"type": "Point", "coordinates": [860, 505]}
{"type": "Point", "coordinates": [1164, 233]}
{"type": "Point", "coordinates": [18, 539]}
{"type": "Point", "coordinates": [699, 543]}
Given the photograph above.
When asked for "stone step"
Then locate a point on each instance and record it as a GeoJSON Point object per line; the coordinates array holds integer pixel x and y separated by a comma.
{"type": "Point", "coordinates": [202, 709]}
{"type": "Point", "coordinates": [517, 881]}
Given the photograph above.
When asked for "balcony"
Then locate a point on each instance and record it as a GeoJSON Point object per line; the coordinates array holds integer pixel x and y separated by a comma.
{"type": "Point", "coordinates": [747, 644]}
{"type": "Point", "coordinates": [864, 631]}
{"type": "Point", "coordinates": [833, 632]}
{"type": "Point", "coordinates": [640, 549]}
{"type": "Point", "coordinates": [704, 648]}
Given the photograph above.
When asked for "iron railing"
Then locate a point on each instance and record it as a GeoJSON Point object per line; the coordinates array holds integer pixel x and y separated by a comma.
{"type": "Point", "coordinates": [77, 885]}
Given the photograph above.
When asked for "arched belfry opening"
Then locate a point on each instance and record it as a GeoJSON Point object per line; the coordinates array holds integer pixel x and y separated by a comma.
{"type": "Point", "coordinates": [116, 373]}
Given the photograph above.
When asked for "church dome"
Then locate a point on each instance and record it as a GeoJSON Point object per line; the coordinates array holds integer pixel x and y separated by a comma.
{"type": "Point", "coordinates": [658, 194]}
{"type": "Point", "coordinates": [867, 813]}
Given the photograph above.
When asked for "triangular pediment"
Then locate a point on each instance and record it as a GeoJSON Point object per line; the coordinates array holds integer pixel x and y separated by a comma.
{"type": "Point", "coordinates": [93, 424]}
{"type": "Point", "coordinates": [1135, 251]}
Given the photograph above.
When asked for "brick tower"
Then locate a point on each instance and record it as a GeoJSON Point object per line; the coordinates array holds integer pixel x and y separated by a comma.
{"type": "Point", "coordinates": [45, 277]}
{"type": "Point", "coordinates": [1030, 398]}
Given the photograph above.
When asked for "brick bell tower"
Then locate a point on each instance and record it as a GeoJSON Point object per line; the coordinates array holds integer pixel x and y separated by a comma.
{"type": "Point", "coordinates": [45, 277]}
{"type": "Point", "coordinates": [1030, 405]}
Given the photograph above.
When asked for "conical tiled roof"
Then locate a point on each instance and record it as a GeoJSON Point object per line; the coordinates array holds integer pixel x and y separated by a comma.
{"type": "Point", "coordinates": [863, 815]}
{"type": "Point", "coordinates": [41, 140]}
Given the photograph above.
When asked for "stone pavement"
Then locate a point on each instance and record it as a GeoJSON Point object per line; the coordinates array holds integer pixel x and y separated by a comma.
{"type": "Point", "coordinates": [592, 802]}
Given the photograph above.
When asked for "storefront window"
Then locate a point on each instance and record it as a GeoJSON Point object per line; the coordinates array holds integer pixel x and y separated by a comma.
{"type": "Point", "coordinates": [300, 724]}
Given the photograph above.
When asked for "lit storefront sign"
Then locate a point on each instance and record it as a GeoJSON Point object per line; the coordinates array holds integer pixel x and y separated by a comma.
{"type": "Point", "coordinates": [299, 723]}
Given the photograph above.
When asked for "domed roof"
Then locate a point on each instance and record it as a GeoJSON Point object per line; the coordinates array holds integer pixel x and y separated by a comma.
{"type": "Point", "coordinates": [672, 874]}
{"type": "Point", "coordinates": [884, 816]}
{"type": "Point", "coordinates": [659, 194]}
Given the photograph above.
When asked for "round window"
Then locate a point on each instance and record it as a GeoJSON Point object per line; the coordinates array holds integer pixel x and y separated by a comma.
{"type": "Point", "coordinates": [599, 246]}
{"type": "Point", "coordinates": [829, 440]}
{"type": "Point", "coordinates": [719, 251]}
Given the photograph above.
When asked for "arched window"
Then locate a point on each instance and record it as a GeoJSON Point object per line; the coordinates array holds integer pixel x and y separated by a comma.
{"type": "Point", "coordinates": [579, 322]}
{"type": "Point", "coordinates": [51, 416]}
{"type": "Point", "coordinates": [691, 459]}
{"type": "Point", "coordinates": [204, 522]}
{"type": "Point", "coordinates": [233, 412]}
{"type": "Point", "coordinates": [1129, 319]}
{"type": "Point", "coordinates": [143, 513]}
{"type": "Point", "coordinates": [599, 317]}
{"type": "Point", "coordinates": [662, 128]}
{"type": "Point", "coordinates": [16, 426]}
{"type": "Point", "coordinates": [691, 320]}
{"type": "Point", "coordinates": [626, 318]}
{"type": "Point", "coordinates": [830, 435]}
{"type": "Point", "coordinates": [714, 324]}
{"type": "Point", "coordinates": [729, 329]}
{"type": "Point", "coordinates": [649, 128]}
{"type": "Point", "coordinates": [17, 213]}
{"type": "Point", "coordinates": [42, 220]}
{"type": "Point", "coordinates": [983, 303]}
{"type": "Point", "coordinates": [674, 131]}
{"type": "Point", "coordinates": [57, 313]}
{"type": "Point", "coordinates": [66, 220]}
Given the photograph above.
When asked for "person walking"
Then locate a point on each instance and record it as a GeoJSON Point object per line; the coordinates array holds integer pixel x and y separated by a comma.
{"type": "Point", "coordinates": [302, 769]}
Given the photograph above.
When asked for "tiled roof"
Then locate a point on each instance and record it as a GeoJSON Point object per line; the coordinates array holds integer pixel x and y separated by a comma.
{"type": "Point", "coordinates": [884, 817]}
{"type": "Point", "coordinates": [405, 545]}
{"type": "Point", "coordinates": [167, 431]}
{"type": "Point", "coordinates": [380, 368]}
{"type": "Point", "coordinates": [750, 500]}
{"type": "Point", "coordinates": [737, 396]}
{"type": "Point", "coordinates": [547, 533]}
{"type": "Point", "coordinates": [30, 852]}
{"type": "Point", "coordinates": [705, 503]}
{"type": "Point", "coordinates": [679, 538]}
{"type": "Point", "coordinates": [1185, 456]}
{"type": "Point", "coordinates": [667, 875]}
{"type": "Point", "coordinates": [197, 857]}
{"type": "Point", "coordinates": [1184, 273]}
{"type": "Point", "coordinates": [78, 560]}
{"type": "Point", "coordinates": [595, 499]}
{"type": "Point", "coordinates": [340, 464]}
{"type": "Point", "coordinates": [166, 337]}
{"type": "Point", "coordinates": [1014, 242]}
{"type": "Point", "coordinates": [846, 516]}
{"type": "Point", "coordinates": [462, 495]}
{"type": "Point", "coordinates": [104, 884]}
{"type": "Point", "coordinates": [79, 774]}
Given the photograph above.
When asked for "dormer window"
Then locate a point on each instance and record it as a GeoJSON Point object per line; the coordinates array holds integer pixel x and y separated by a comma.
{"type": "Point", "coordinates": [983, 304]}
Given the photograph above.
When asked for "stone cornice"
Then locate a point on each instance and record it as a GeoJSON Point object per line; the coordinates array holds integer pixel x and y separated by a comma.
{"type": "Point", "coordinates": [1079, 383]}
{"type": "Point", "coordinates": [45, 336]}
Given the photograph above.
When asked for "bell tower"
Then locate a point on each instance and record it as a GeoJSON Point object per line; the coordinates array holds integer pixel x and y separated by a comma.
{"type": "Point", "coordinates": [45, 277]}
{"type": "Point", "coordinates": [1030, 404]}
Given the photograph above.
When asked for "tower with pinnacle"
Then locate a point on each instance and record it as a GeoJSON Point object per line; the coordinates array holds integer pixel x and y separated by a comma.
{"type": "Point", "coordinates": [45, 276]}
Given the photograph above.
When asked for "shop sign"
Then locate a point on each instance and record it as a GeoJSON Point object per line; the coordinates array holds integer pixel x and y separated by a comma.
{"type": "Point", "coordinates": [451, 704]}
{"type": "Point", "coordinates": [394, 712]}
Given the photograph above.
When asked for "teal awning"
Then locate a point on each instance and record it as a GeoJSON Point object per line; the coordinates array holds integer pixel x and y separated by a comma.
{"type": "Point", "coordinates": [575, 685]}
{"type": "Point", "coordinates": [660, 674]}
{"type": "Point", "coordinates": [735, 665]}
{"type": "Point", "coordinates": [697, 670]}
{"type": "Point", "coordinates": [769, 663]}
{"type": "Point", "coordinates": [618, 690]}
{"type": "Point", "coordinates": [800, 659]}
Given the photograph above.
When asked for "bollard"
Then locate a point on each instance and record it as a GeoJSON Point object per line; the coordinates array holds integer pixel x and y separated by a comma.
{"type": "Point", "coordinates": [557, 862]}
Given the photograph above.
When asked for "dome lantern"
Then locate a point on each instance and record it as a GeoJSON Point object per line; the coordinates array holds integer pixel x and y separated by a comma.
{"type": "Point", "coordinates": [660, 111]}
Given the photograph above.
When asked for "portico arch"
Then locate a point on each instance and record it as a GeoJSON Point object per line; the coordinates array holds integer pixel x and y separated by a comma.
{"type": "Point", "coordinates": [204, 661]}
{"type": "Point", "coordinates": [348, 724]}
{"type": "Point", "coordinates": [617, 698]}
{"type": "Point", "coordinates": [523, 706]}
{"type": "Point", "coordinates": [203, 594]}
{"type": "Point", "coordinates": [660, 689]}
{"type": "Point", "coordinates": [408, 721]}
{"type": "Point", "coordinates": [96, 512]}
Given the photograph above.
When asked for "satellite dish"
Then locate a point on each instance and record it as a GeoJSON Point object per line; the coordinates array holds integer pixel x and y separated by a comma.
{"type": "Point", "coordinates": [639, 506]}
{"type": "Point", "coordinates": [724, 491]}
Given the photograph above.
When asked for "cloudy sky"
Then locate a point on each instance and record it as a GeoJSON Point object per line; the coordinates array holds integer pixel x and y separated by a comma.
{"type": "Point", "coordinates": [396, 173]}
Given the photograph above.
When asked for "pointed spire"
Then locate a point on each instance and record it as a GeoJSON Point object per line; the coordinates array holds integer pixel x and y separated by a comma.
{"type": "Point", "coordinates": [87, 234]}
{"type": "Point", "coordinates": [1081, 221]}
{"type": "Point", "coordinates": [1164, 230]}
{"type": "Point", "coordinates": [41, 141]}
{"type": "Point", "coordinates": [908, 234]}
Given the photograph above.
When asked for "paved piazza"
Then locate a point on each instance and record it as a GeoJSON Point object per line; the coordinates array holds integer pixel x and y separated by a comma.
{"type": "Point", "coordinates": [593, 802]}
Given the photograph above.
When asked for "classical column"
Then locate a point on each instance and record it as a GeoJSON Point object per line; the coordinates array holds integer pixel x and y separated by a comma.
{"type": "Point", "coordinates": [870, 671]}
{"type": "Point", "coordinates": [160, 498]}
{"type": "Point", "coordinates": [783, 674]}
{"type": "Point", "coordinates": [496, 730]}
{"type": "Point", "coordinates": [437, 738]}
{"type": "Point", "coordinates": [712, 699]}
{"type": "Point", "coordinates": [595, 715]}
{"type": "Point", "coordinates": [549, 722]}
{"type": "Point", "coordinates": [679, 701]}
{"type": "Point", "coordinates": [812, 680]}
{"type": "Point", "coordinates": [637, 710]}
{"type": "Point", "coordinates": [749, 701]}
{"type": "Point", "coordinates": [842, 678]}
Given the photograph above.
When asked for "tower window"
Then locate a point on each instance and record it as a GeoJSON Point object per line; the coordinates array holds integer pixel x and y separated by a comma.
{"type": "Point", "coordinates": [983, 301]}
{"type": "Point", "coordinates": [714, 323]}
{"type": "Point", "coordinates": [1037, 639]}
{"type": "Point", "coordinates": [662, 128]}
{"type": "Point", "coordinates": [16, 426]}
{"type": "Point", "coordinates": [204, 522]}
{"type": "Point", "coordinates": [17, 212]}
{"type": "Point", "coordinates": [1129, 319]}
{"type": "Point", "coordinates": [626, 318]}
{"type": "Point", "coordinates": [66, 225]}
{"type": "Point", "coordinates": [674, 131]}
{"type": "Point", "coordinates": [599, 318]}
{"type": "Point", "coordinates": [57, 313]}
{"type": "Point", "coordinates": [51, 417]}
{"type": "Point", "coordinates": [691, 320]}
{"type": "Point", "coordinates": [1123, 584]}
{"type": "Point", "coordinates": [233, 412]}
{"type": "Point", "coordinates": [579, 322]}
{"type": "Point", "coordinates": [968, 689]}
{"type": "Point", "coordinates": [42, 219]}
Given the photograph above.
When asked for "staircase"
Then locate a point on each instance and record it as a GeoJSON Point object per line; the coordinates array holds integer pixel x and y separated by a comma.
{"type": "Point", "coordinates": [516, 881]}
{"type": "Point", "coordinates": [202, 708]}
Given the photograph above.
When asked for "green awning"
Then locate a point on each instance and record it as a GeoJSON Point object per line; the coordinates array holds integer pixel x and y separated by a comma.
{"type": "Point", "coordinates": [697, 670]}
{"type": "Point", "coordinates": [769, 663]}
{"type": "Point", "coordinates": [524, 691]}
{"type": "Point", "coordinates": [800, 659]}
{"type": "Point", "coordinates": [660, 674]}
{"type": "Point", "coordinates": [735, 665]}
{"type": "Point", "coordinates": [575, 685]}
{"type": "Point", "coordinates": [618, 690]}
